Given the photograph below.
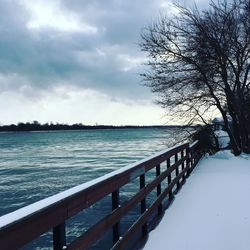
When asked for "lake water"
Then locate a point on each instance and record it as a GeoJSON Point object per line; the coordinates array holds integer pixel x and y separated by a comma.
{"type": "Point", "coordinates": [35, 165]}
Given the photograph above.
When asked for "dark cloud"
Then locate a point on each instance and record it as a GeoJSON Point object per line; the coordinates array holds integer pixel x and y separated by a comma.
{"type": "Point", "coordinates": [122, 20]}
{"type": "Point", "coordinates": [104, 57]}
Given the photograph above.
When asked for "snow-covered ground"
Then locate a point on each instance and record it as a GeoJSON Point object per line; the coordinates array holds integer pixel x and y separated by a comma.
{"type": "Point", "coordinates": [211, 211]}
{"type": "Point", "coordinates": [223, 138]}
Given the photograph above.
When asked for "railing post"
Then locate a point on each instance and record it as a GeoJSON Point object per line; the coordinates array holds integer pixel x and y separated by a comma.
{"type": "Point", "coordinates": [177, 171]}
{"type": "Point", "coordinates": [115, 205]}
{"type": "Point", "coordinates": [188, 162]}
{"type": "Point", "coordinates": [143, 205]}
{"type": "Point", "coordinates": [195, 157]}
{"type": "Point", "coordinates": [59, 237]}
{"type": "Point", "coordinates": [183, 166]}
{"type": "Point", "coordinates": [169, 180]}
{"type": "Point", "coordinates": [158, 172]}
{"type": "Point", "coordinates": [191, 160]}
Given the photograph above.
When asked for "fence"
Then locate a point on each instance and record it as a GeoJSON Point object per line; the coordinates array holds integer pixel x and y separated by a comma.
{"type": "Point", "coordinates": [172, 166]}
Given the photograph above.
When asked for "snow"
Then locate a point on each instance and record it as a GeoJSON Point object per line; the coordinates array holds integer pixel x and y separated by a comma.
{"type": "Point", "coordinates": [211, 211]}
{"type": "Point", "coordinates": [223, 138]}
{"type": "Point", "coordinates": [193, 144]}
{"type": "Point", "coordinates": [27, 211]}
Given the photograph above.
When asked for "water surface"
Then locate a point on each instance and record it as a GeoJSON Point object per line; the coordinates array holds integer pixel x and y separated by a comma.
{"type": "Point", "coordinates": [35, 165]}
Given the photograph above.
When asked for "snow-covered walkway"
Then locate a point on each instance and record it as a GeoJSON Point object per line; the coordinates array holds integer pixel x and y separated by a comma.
{"type": "Point", "coordinates": [211, 211]}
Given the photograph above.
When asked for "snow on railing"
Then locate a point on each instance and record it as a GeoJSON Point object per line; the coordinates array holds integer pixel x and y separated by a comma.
{"type": "Point", "coordinates": [173, 165]}
{"type": "Point", "coordinates": [193, 144]}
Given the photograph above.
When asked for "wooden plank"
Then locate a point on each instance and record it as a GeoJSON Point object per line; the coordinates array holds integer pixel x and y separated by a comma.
{"type": "Point", "coordinates": [30, 228]}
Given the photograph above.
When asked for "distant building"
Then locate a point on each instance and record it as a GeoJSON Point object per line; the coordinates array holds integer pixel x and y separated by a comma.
{"type": "Point", "coordinates": [220, 133]}
{"type": "Point", "coordinates": [218, 123]}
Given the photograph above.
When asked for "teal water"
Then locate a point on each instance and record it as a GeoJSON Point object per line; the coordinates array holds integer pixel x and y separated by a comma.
{"type": "Point", "coordinates": [35, 165]}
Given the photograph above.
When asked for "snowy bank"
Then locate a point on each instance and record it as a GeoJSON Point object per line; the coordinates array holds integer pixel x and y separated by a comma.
{"type": "Point", "coordinates": [211, 211]}
{"type": "Point", "coordinates": [223, 138]}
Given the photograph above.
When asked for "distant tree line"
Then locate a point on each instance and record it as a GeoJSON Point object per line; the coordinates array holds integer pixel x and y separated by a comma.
{"type": "Point", "coordinates": [36, 126]}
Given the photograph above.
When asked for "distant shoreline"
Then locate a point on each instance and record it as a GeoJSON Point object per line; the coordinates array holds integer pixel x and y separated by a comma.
{"type": "Point", "coordinates": [35, 127]}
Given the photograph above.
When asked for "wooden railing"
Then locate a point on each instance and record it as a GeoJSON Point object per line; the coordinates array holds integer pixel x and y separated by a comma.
{"type": "Point", "coordinates": [172, 166]}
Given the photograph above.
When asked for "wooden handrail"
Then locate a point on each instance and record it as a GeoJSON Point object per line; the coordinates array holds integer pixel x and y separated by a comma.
{"type": "Point", "coordinates": [28, 223]}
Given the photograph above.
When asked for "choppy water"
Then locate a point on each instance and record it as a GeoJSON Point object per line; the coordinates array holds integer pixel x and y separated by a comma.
{"type": "Point", "coordinates": [39, 164]}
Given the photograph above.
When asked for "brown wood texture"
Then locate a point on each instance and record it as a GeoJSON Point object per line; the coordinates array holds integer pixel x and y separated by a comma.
{"type": "Point", "coordinates": [100, 228]}
{"type": "Point", "coordinates": [121, 244]}
{"type": "Point", "coordinates": [33, 225]}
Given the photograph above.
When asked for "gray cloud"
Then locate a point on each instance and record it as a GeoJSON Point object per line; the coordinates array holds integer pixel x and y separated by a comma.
{"type": "Point", "coordinates": [107, 60]}
{"type": "Point", "coordinates": [104, 56]}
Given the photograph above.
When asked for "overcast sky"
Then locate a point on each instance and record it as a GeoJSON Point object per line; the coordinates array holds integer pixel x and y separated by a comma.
{"type": "Point", "coordinates": [76, 61]}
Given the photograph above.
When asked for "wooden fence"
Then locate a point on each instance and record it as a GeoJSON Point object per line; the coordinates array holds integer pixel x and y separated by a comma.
{"type": "Point", "coordinates": [172, 166]}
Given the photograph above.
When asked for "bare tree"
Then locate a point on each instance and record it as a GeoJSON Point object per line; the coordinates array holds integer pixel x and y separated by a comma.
{"type": "Point", "coordinates": [199, 63]}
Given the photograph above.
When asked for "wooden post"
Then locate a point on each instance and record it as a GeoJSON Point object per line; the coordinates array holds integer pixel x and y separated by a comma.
{"type": "Point", "coordinates": [177, 171]}
{"type": "Point", "coordinates": [115, 205]}
{"type": "Point", "coordinates": [191, 160]}
{"type": "Point", "coordinates": [188, 162]}
{"type": "Point", "coordinates": [169, 180]}
{"type": "Point", "coordinates": [59, 237]}
{"type": "Point", "coordinates": [195, 156]}
{"type": "Point", "coordinates": [143, 205]}
{"type": "Point", "coordinates": [182, 166]}
{"type": "Point", "coordinates": [158, 172]}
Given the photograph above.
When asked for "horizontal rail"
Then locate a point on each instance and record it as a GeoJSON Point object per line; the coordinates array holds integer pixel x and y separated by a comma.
{"type": "Point", "coordinates": [95, 232]}
{"type": "Point", "coordinates": [124, 240]}
{"type": "Point", "coordinates": [30, 222]}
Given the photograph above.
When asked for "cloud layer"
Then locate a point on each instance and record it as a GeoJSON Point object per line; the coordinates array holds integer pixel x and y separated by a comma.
{"type": "Point", "coordinates": [86, 45]}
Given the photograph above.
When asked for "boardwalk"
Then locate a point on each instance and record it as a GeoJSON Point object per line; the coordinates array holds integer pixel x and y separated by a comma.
{"type": "Point", "coordinates": [212, 211]}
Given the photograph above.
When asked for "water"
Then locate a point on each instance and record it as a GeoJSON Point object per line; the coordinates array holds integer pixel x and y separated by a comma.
{"type": "Point", "coordinates": [35, 165]}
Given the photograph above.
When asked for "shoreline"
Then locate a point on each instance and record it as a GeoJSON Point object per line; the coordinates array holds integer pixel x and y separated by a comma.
{"type": "Point", "coordinates": [52, 128]}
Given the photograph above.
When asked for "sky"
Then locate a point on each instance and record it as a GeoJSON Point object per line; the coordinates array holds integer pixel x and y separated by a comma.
{"type": "Point", "coordinates": [77, 61]}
